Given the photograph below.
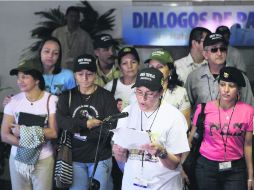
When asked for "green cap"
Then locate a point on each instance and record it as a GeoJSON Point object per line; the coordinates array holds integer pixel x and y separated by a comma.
{"type": "Point", "coordinates": [162, 56]}
{"type": "Point", "coordinates": [26, 65]}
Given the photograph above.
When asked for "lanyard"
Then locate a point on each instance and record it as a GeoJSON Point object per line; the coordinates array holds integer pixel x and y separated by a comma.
{"type": "Point", "coordinates": [141, 127]}
{"type": "Point", "coordinates": [222, 135]}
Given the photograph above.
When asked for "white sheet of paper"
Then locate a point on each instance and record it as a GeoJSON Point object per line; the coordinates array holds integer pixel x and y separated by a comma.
{"type": "Point", "coordinates": [130, 138]}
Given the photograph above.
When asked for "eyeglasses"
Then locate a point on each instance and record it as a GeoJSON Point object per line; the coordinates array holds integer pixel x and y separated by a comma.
{"type": "Point", "coordinates": [145, 95]}
{"type": "Point", "coordinates": [215, 49]}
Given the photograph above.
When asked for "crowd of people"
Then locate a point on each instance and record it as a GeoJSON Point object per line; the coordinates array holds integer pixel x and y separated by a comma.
{"type": "Point", "coordinates": [76, 82]}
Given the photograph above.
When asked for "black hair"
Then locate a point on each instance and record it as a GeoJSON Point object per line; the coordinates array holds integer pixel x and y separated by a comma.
{"type": "Point", "coordinates": [57, 68]}
{"type": "Point", "coordinates": [197, 34]}
{"type": "Point", "coordinates": [72, 8]}
{"type": "Point", "coordinates": [37, 75]}
{"type": "Point", "coordinates": [173, 80]}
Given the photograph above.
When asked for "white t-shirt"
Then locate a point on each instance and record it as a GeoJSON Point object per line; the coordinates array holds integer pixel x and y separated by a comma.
{"type": "Point", "coordinates": [123, 91]}
{"type": "Point", "coordinates": [19, 103]}
{"type": "Point", "coordinates": [178, 98]}
{"type": "Point", "coordinates": [185, 66]}
{"type": "Point", "coordinates": [168, 128]}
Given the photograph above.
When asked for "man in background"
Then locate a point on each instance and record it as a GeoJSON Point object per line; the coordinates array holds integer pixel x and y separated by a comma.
{"type": "Point", "coordinates": [74, 40]}
{"type": "Point", "coordinates": [202, 83]}
{"type": "Point", "coordinates": [195, 57]}
{"type": "Point", "coordinates": [104, 50]}
{"type": "Point", "coordinates": [234, 57]}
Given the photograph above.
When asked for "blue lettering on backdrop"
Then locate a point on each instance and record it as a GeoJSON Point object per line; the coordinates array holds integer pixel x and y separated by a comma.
{"type": "Point", "coordinates": [241, 17]}
{"type": "Point", "coordinates": [136, 20]}
{"type": "Point", "coordinates": [217, 17]}
{"type": "Point", "coordinates": [162, 23]}
{"type": "Point", "coordinates": [181, 22]}
{"type": "Point", "coordinates": [171, 20]}
{"type": "Point", "coordinates": [145, 19]}
{"type": "Point", "coordinates": [203, 17]}
{"type": "Point", "coordinates": [193, 19]}
{"type": "Point", "coordinates": [153, 22]}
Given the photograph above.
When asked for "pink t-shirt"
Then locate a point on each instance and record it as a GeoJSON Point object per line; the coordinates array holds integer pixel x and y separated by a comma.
{"type": "Point", "coordinates": [239, 119]}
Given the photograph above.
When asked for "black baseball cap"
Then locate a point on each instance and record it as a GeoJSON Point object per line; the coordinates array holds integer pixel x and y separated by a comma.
{"type": "Point", "coordinates": [213, 39]}
{"type": "Point", "coordinates": [103, 41]}
{"type": "Point", "coordinates": [86, 62]}
{"type": "Point", "coordinates": [127, 50]}
{"type": "Point", "coordinates": [232, 74]}
{"type": "Point", "coordinates": [150, 78]}
{"type": "Point", "coordinates": [26, 65]}
{"type": "Point", "coordinates": [223, 30]}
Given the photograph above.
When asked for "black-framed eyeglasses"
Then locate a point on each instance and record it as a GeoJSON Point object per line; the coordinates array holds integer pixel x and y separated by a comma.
{"type": "Point", "coordinates": [215, 49]}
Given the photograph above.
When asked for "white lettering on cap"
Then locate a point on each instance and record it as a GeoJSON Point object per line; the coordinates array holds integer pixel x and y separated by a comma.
{"type": "Point", "coordinates": [215, 36]}
{"type": "Point", "coordinates": [84, 61]}
{"type": "Point", "coordinates": [158, 53]}
{"type": "Point", "coordinates": [150, 75]}
{"type": "Point", "coordinates": [105, 38]}
{"type": "Point", "coordinates": [145, 78]}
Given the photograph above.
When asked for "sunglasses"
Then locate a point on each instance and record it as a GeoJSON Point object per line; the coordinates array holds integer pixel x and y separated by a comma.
{"type": "Point", "coordinates": [215, 49]}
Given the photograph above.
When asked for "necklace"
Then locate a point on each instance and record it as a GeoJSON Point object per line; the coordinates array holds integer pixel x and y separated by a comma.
{"type": "Point", "coordinates": [148, 116]}
{"type": "Point", "coordinates": [32, 100]}
{"type": "Point", "coordinates": [228, 125]}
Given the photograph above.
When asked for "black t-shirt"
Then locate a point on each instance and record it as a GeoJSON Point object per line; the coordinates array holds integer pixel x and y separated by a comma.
{"type": "Point", "coordinates": [73, 117]}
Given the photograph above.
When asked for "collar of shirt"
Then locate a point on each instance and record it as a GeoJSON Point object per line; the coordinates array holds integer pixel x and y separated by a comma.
{"type": "Point", "coordinates": [73, 33]}
{"type": "Point", "coordinates": [191, 62]}
{"type": "Point", "coordinates": [206, 72]}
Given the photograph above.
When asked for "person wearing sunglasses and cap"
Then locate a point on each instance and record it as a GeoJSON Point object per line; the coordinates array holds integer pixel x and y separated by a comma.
{"type": "Point", "coordinates": [225, 160]}
{"type": "Point", "coordinates": [202, 83]}
{"type": "Point", "coordinates": [156, 165]}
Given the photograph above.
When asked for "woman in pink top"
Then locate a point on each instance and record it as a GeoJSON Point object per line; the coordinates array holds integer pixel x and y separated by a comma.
{"type": "Point", "coordinates": [226, 150]}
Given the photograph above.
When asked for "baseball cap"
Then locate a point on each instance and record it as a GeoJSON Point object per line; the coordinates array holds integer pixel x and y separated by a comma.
{"type": "Point", "coordinates": [86, 62]}
{"type": "Point", "coordinates": [150, 78]}
{"type": "Point", "coordinates": [26, 65]}
{"type": "Point", "coordinates": [127, 50]}
{"type": "Point", "coordinates": [103, 41]}
{"type": "Point", "coordinates": [223, 30]}
{"type": "Point", "coordinates": [232, 74]}
{"type": "Point", "coordinates": [213, 39]}
{"type": "Point", "coordinates": [162, 56]}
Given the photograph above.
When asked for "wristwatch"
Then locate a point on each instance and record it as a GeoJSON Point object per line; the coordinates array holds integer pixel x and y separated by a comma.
{"type": "Point", "coordinates": [162, 154]}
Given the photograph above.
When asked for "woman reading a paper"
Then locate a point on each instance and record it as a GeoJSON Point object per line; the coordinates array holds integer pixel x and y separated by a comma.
{"type": "Point", "coordinates": [156, 164]}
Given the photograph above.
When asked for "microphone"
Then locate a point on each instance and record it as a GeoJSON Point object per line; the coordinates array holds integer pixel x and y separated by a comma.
{"type": "Point", "coordinates": [115, 117]}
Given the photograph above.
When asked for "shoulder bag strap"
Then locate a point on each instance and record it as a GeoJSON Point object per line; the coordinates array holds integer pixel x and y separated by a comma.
{"type": "Point", "coordinates": [113, 90]}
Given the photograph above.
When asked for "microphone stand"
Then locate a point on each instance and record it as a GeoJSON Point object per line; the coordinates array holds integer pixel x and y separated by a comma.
{"type": "Point", "coordinates": [93, 183]}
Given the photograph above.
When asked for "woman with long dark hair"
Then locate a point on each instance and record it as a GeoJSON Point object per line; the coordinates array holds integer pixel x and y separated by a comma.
{"type": "Point", "coordinates": [57, 79]}
{"type": "Point", "coordinates": [173, 92]}
{"type": "Point", "coordinates": [225, 160]}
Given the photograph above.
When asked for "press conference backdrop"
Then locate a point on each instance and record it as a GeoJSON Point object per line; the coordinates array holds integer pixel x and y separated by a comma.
{"type": "Point", "coordinates": [170, 26]}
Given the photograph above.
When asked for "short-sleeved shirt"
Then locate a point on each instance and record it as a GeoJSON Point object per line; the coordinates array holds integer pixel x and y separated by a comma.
{"type": "Point", "coordinates": [19, 103]}
{"type": "Point", "coordinates": [177, 97]}
{"type": "Point", "coordinates": [124, 92]}
{"type": "Point", "coordinates": [185, 66]}
{"type": "Point", "coordinates": [232, 124]}
{"type": "Point", "coordinates": [57, 83]}
{"type": "Point", "coordinates": [168, 128]}
{"type": "Point", "coordinates": [202, 87]}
